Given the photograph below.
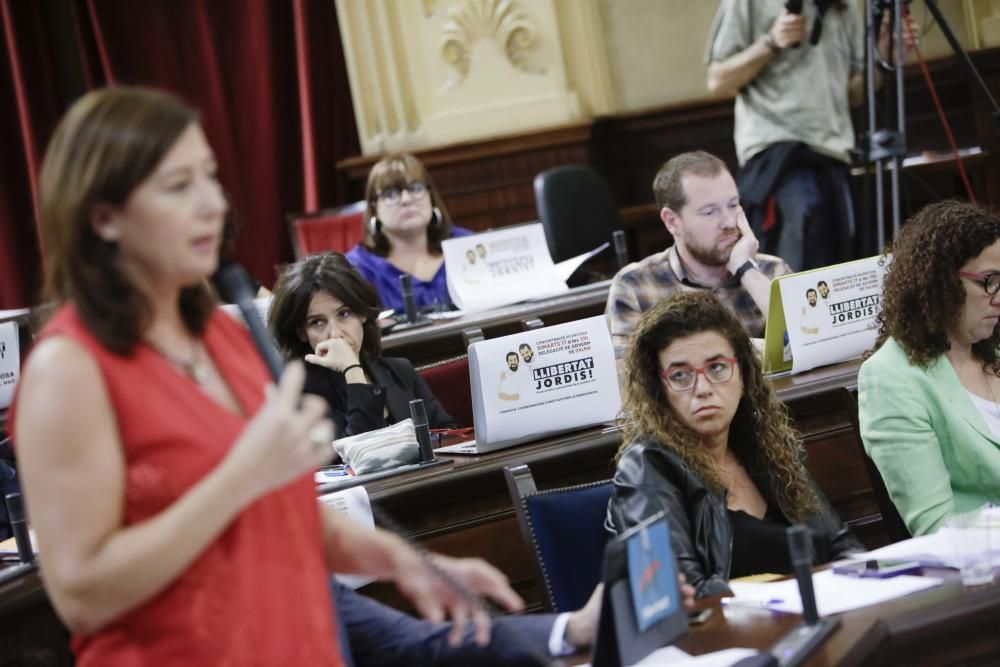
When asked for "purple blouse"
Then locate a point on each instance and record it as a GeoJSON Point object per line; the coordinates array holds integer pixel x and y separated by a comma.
{"type": "Point", "coordinates": [385, 277]}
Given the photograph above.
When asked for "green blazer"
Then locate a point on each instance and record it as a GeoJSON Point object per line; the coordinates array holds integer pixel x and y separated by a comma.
{"type": "Point", "coordinates": [936, 454]}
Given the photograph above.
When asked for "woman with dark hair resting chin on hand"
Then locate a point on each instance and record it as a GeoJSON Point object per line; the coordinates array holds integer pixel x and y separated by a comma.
{"type": "Point", "coordinates": [324, 312]}
{"type": "Point", "coordinates": [708, 442]}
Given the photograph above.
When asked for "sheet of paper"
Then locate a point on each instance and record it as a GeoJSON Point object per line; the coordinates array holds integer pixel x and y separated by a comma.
{"type": "Point", "coordinates": [835, 593]}
{"type": "Point", "coordinates": [566, 267]}
{"type": "Point", "coordinates": [499, 268]}
{"type": "Point", "coordinates": [671, 656]}
{"type": "Point", "coordinates": [354, 504]}
{"type": "Point", "coordinates": [8, 547]}
{"type": "Point", "coordinates": [937, 549]}
{"type": "Point", "coordinates": [13, 312]}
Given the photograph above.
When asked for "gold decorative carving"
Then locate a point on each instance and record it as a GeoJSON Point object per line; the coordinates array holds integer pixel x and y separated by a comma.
{"type": "Point", "coordinates": [503, 21]}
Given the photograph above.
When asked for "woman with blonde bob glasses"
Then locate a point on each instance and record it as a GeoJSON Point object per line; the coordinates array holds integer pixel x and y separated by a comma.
{"type": "Point", "coordinates": [708, 443]}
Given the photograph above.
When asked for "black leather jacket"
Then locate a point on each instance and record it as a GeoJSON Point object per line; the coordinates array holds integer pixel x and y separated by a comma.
{"type": "Point", "coordinates": [651, 478]}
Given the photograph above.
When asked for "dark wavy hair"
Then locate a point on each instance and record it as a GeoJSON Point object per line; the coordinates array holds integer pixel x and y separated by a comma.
{"type": "Point", "coordinates": [760, 436]}
{"type": "Point", "coordinates": [923, 295]}
{"type": "Point", "coordinates": [107, 144]}
{"type": "Point", "coordinates": [331, 273]}
{"type": "Point", "coordinates": [392, 172]}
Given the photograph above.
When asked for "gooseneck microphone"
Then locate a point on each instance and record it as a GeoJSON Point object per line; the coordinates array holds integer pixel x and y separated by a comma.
{"type": "Point", "coordinates": [798, 550]}
{"type": "Point", "coordinates": [803, 639]}
{"type": "Point", "coordinates": [240, 288]}
{"type": "Point", "coordinates": [19, 524]}
{"type": "Point", "coordinates": [409, 304]}
{"type": "Point", "coordinates": [621, 248]}
{"type": "Point", "coordinates": [418, 412]}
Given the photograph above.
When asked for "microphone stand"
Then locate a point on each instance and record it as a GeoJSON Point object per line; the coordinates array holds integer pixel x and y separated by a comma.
{"type": "Point", "coordinates": [883, 147]}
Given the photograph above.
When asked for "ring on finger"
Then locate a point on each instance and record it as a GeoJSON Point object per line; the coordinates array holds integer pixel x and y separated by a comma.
{"type": "Point", "coordinates": [321, 434]}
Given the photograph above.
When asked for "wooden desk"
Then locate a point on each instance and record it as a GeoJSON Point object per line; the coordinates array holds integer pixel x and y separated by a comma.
{"type": "Point", "coordinates": [443, 339]}
{"type": "Point", "coordinates": [947, 625]}
{"type": "Point", "coordinates": [463, 508]}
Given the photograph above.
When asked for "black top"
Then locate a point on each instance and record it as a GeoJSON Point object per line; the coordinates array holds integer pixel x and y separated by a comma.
{"type": "Point", "coordinates": [759, 545]}
{"type": "Point", "coordinates": [359, 408]}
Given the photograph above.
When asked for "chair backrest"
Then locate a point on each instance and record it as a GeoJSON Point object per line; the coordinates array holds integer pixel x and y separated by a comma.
{"type": "Point", "coordinates": [449, 382]}
{"type": "Point", "coordinates": [564, 530]}
{"type": "Point", "coordinates": [576, 209]}
{"type": "Point", "coordinates": [337, 229]}
{"type": "Point", "coordinates": [895, 527]}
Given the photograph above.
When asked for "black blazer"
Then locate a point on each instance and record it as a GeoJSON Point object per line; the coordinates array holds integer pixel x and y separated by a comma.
{"type": "Point", "coordinates": [359, 408]}
{"type": "Point", "coordinates": [651, 478]}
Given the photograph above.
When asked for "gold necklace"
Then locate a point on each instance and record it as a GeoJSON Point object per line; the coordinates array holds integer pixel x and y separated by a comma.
{"type": "Point", "coordinates": [196, 368]}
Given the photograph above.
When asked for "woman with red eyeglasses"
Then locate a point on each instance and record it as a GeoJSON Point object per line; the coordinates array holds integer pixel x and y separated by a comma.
{"type": "Point", "coordinates": [928, 396]}
{"type": "Point", "coordinates": [708, 442]}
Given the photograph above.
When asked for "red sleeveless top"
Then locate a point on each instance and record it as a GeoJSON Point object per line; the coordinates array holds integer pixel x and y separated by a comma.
{"type": "Point", "coordinates": [257, 595]}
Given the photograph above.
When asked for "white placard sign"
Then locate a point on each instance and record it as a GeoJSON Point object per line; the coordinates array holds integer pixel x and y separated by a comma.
{"type": "Point", "coordinates": [10, 362]}
{"type": "Point", "coordinates": [545, 381]}
{"type": "Point", "coordinates": [830, 312]}
{"type": "Point", "coordinates": [500, 268]}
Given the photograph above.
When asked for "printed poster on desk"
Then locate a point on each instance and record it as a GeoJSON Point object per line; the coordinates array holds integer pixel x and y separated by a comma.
{"type": "Point", "coordinates": [499, 268]}
{"type": "Point", "coordinates": [541, 382]}
{"type": "Point", "coordinates": [824, 316]}
{"type": "Point", "coordinates": [10, 362]}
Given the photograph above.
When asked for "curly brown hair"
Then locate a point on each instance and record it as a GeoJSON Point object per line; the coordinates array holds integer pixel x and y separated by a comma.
{"type": "Point", "coordinates": [760, 436]}
{"type": "Point", "coordinates": [923, 295]}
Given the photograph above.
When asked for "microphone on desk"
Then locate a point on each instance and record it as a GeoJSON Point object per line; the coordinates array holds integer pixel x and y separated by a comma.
{"type": "Point", "coordinates": [19, 524]}
{"type": "Point", "coordinates": [621, 249]}
{"type": "Point", "coordinates": [805, 637]}
{"type": "Point", "coordinates": [798, 550]}
{"type": "Point", "coordinates": [241, 289]}
{"type": "Point", "coordinates": [409, 304]}
{"type": "Point", "coordinates": [418, 412]}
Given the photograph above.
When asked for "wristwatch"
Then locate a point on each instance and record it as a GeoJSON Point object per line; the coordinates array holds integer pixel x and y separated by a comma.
{"type": "Point", "coordinates": [743, 268]}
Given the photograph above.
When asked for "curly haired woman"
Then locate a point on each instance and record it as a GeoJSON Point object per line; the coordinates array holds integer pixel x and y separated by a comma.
{"type": "Point", "coordinates": [708, 442]}
{"type": "Point", "coordinates": [928, 395]}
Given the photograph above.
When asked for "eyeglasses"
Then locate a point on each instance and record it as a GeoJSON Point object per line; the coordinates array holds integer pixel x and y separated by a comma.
{"type": "Point", "coordinates": [682, 378]}
{"type": "Point", "coordinates": [989, 281]}
{"type": "Point", "coordinates": [392, 196]}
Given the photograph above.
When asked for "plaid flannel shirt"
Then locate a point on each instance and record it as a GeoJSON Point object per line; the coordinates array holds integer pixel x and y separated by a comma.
{"type": "Point", "coordinates": [641, 285]}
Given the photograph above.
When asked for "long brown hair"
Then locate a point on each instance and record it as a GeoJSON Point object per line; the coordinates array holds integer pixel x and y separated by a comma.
{"type": "Point", "coordinates": [760, 436]}
{"type": "Point", "coordinates": [331, 273]}
{"type": "Point", "coordinates": [395, 171]}
{"type": "Point", "coordinates": [923, 294]}
{"type": "Point", "coordinates": [105, 146]}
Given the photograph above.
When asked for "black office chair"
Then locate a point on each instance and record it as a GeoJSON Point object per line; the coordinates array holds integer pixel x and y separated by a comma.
{"type": "Point", "coordinates": [564, 528]}
{"type": "Point", "coordinates": [894, 524]}
{"type": "Point", "coordinates": [576, 209]}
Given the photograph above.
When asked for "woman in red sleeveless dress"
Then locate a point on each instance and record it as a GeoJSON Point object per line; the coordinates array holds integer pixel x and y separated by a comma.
{"type": "Point", "coordinates": [172, 496]}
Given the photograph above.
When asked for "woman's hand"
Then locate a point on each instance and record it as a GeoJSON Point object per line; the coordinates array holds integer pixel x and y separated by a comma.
{"type": "Point", "coordinates": [287, 438]}
{"type": "Point", "coordinates": [333, 353]}
{"type": "Point", "coordinates": [437, 599]}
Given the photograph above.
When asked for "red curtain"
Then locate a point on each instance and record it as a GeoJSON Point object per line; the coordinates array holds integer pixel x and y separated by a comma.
{"type": "Point", "coordinates": [268, 77]}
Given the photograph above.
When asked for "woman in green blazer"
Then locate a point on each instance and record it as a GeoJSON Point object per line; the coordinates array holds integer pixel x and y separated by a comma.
{"type": "Point", "coordinates": [928, 396]}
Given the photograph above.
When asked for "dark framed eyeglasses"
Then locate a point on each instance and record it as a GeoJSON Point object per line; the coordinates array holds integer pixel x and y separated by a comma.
{"type": "Point", "coordinates": [990, 280]}
{"type": "Point", "coordinates": [392, 196]}
{"type": "Point", "coordinates": [682, 378]}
